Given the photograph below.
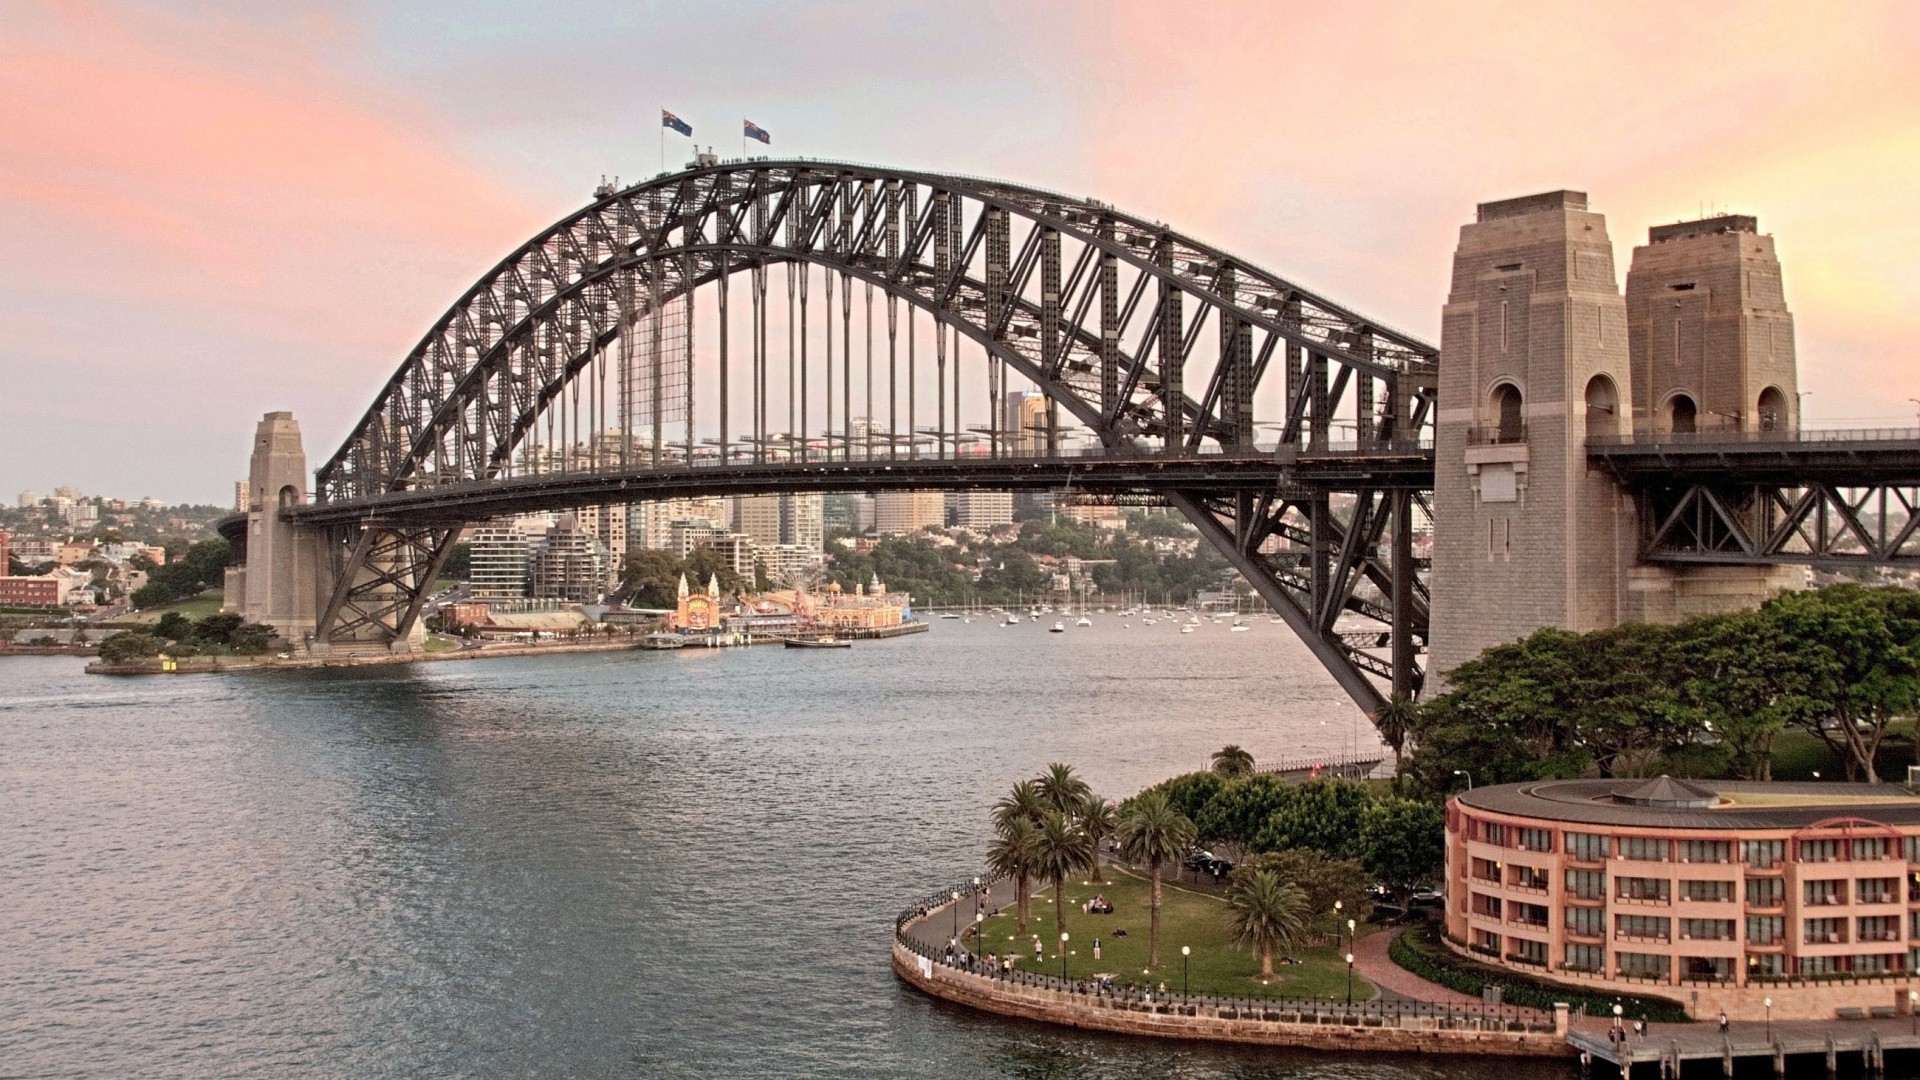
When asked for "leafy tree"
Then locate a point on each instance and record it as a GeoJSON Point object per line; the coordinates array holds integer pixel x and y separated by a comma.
{"type": "Point", "coordinates": [1232, 760]}
{"type": "Point", "coordinates": [1324, 815]}
{"type": "Point", "coordinates": [1267, 913]}
{"type": "Point", "coordinates": [1061, 849]}
{"type": "Point", "coordinates": [1403, 841]}
{"type": "Point", "coordinates": [459, 564]}
{"type": "Point", "coordinates": [651, 578]}
{"type": "Point", "coordinates": [188, 570]}
{"type": "Point", "coordinates": [1238, 813]}
{"type": "Point", "coordinates": [173, 626]}
{"type": "Point", "coordinates": [1190, 793]}
{"type": "Point", "coordinates": [1853, 668]}
{"type": "Point", "coordinates": [1142, 524]}
{"type": "Point", "coordinates": [705, 564]}
{"type": "Point", "coordinates": [130, 646]}
{"type": "Point", "coordinates": [1153, 832]}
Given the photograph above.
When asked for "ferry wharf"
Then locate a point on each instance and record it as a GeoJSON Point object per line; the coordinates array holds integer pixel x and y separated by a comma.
{"type": "Point", "coordinates": [1796, 1048]}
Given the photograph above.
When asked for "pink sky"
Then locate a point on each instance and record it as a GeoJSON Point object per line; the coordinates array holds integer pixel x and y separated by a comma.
{"type": "Point", "coordinates": [209, 216]}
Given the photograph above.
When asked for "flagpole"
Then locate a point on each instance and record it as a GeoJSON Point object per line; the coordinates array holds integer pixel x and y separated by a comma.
{"type": "Point", "coordinates": [663, 139]}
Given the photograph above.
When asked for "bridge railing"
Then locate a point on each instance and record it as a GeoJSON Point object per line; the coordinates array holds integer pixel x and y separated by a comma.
{"type": "Point", "coordinates": [1735, 437]}
{"type": "Point", "coordinates": [1150, 997]}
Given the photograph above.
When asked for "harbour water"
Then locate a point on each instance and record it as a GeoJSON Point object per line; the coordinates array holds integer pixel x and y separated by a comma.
{"type": "Point", "coordinates": [646, 864]}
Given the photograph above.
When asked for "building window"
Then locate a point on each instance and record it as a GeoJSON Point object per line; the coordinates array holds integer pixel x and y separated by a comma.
{"type": "Point", "coordinates": [1713, 851]}
{"type": "Point", "coordinates": [1631, 965]}
{"type": "Point", "coordinates": [1766, 929]}
{"type": "Point", "coordinates": [1587, 884]}
{"type": "Point", "coordinates": [1653, 890]}
{"type": "Point", "coordinates": [1587, 847]}
{"type": "Point", "coordinates": [1536, 840]}
{"type": "Point", "coordinates": [1486, 941]}
{"type": "Point", "coordinates": [1493, 833]}
{"type": "Point", "coordinates": [1645, 849]}
{"type": "Point", "coordinates": [1824, 893]}
{"type": "Point", "coordinates": [1528, 952]}
{"type": "Point", "coordinates": [1763, 854]}
{"type": "Point", "coordinates": [1819, 850]}
{"type": "Point", "coordinates": [1643, 927]}
{"type": "Point", "coordinates": [1503, 326]}
{"type": "Point", "coordinates": [1591, 959]}
{"type": "Point", "coordinates": [1876, 963]}
{"type": "Point", "coordinates": [1878, 890]}
{"type": "Point", "coordinates": [1531, 915]}
{"type": "Point", "coordinates": [1587, 921]}
{"type": "Point", "coordinates": [1821, 965]}
{"type": "Point", "coordinates": [1708, 891]}
{"type": "Point", "coordinates": [1766, 892]}
{"type": "Point", "coordinates": [1706, 968]}
{"type": "Point", "coordinates": [1878, 928]}
{"type": "Point", "coordinates": [1486, 906]}
{"type": "Point", "coordinates": [1766, 966]}
{"type": "Point", "coordinates": [1913, 925]}
{"type": "Point", "coordinates": [1527, 877]}
{"type": "Point", "coordinates": [1870, 847]}
{"type": "Point", "coordinates": [1911, 846]}
{"type": "Point", "coordinates": [1825, 932]}
{"type": "Point", "coordinates": [1486, 870]}
{"type": "Point", "coordinates": [1706, 929]}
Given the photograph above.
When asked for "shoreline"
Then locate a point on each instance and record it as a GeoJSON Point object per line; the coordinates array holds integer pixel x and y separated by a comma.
{"type": "Point", "coordinates": [199, 665]}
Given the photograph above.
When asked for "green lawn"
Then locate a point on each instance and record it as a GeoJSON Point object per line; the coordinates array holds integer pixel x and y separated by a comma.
{"type": "Point", "coordinates": [194, 607]}
{"type": "Point", "coordinates": [1198, 920]}
{"type": "Point", "coordinates": [437, 643]}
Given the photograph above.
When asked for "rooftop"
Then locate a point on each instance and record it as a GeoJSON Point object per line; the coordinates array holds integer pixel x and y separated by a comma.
{"type": "Point", "coordinates": [1667, 803]}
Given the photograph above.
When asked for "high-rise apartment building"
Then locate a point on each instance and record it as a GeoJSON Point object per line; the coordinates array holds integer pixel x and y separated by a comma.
{"type": "Point", "coordinates": [497, 557]}
{"type": "Point", "coordinates": [570, 563]}
{"type": "Point", "coordinates": [900, 512]}
{"type": "Point", "coordinates": [980, 509]}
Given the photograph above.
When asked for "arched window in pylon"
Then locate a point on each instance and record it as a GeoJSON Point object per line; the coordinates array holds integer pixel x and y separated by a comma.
{"type": "Point", "coordinates": [1510, 424]}
{"type": "Point", "coordinates": [1683, 416]}
{"type": "Point", "coordinates": [1772, 410]}
{"type": "Point", "coordinates": [1603, 406]}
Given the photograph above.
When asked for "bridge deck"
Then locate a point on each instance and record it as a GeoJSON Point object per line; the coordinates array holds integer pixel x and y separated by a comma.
{"type": "Point", "coordinates": [1842, 458]}
{"type": "Point", "coordinates": [1258, 470]}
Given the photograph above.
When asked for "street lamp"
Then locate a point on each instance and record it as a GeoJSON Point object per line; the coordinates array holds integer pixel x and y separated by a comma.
{"type": "Point", "coordinates": [1350, 929]}
{"type": "Point", "coordinates": [1619, 1025]}
{"type": "Point", "coordinates": [976, 896]}
{"type": "Point", "coordinates": [979, 935]}
{"type": "Point", "coordinates": [1063, 956]}
{"type": "Point", "coordinates": [1768, 1002]}
{"type": "Point", "coordinates": [1186, 954]}
{"type": "Point", "coordinates": [1466, 773]}
{"type": "Point", "coordinates": [1349, 980]}
{"type": "Point", "coordinates": [1913, 1009]}
{"type": "Point", "coordinates": [1337, 912]}
{"type": "Point", "coordinates": [956, 914]}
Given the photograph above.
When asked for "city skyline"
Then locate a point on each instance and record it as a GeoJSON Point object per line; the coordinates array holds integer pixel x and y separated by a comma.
{"type": "Point", "coordinates": [223, 215]}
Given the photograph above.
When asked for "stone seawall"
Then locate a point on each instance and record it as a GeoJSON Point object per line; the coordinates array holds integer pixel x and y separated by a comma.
{"type": "Point", "coordinates": [1175, 1020]}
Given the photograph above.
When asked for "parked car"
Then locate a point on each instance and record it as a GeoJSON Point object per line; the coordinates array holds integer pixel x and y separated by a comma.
{"type": "Point", "coordinates": [1426, 898]}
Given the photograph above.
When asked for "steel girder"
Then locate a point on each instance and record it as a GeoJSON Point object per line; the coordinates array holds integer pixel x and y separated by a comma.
{"type": "Point", "coordinates": [1106, 313]}
{"type": "Point", "coordinates": [1815, 523]}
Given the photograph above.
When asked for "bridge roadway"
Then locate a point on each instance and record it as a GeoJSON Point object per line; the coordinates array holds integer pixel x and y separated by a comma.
{"type": "Point", "coordinates": [1859, 458]}
{"type": "Point", "coordinates": [1104, 471]}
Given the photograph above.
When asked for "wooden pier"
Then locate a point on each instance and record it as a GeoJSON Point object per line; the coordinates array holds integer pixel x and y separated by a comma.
{"type": "Point", "coordinates": [1794, 1048]}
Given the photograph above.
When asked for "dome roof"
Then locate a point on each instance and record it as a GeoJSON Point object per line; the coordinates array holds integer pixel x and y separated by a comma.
{"type": "Point", "coordinates": [1668, 792]}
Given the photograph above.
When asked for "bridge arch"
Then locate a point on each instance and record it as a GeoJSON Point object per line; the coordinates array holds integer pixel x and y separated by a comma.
{"type": "Point", "coordinates": [1156, 345]}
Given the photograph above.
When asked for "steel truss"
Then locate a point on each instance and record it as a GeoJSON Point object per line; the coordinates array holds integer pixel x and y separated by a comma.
{"type": "Point", "coordinates": [1150, 340]}
{"type": "Point", "coordinates": [1817, 523]}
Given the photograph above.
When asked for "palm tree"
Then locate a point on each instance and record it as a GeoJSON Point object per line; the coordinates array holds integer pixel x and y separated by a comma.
{"type": "Point", "coordinates": [1155, 833]}
{"type": "Point", "coordinates": [1061, 850]}
{"type": "Point", "coordinates": [1011, 855]}
{"type": "Point", "coordinates": [1098, 818]}
{"type": "Point", "coordinates": [1267, 913]}
{"type": "Point", "coordinates": [1231, 760]}
{"type": "Point", "coordinates": [1024, 801]}
{"type": "Point", "coordinates": [1062, 790]}
{"type": "Point", "coordinates": [1396, 720]}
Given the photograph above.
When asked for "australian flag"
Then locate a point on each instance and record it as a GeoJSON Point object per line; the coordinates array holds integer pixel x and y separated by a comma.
{"type": "Point", "coordinates": [667, 119]}
{"type": "Point", "coordinates": [755, 131]}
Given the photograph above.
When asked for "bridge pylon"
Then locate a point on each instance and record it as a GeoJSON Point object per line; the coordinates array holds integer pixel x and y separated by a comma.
{"type": "Point", "coordinates": [276, 580]}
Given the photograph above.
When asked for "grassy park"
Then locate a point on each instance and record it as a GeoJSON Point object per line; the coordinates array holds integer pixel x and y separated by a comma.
{"type": "Point", "coordinates": [1198, 920]}
{"type": "Point", "coordinates": [193, 607]}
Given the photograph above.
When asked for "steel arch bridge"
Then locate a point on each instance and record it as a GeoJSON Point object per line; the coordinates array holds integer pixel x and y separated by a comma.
{"type": "Point", "coordinates": [1294, 432]}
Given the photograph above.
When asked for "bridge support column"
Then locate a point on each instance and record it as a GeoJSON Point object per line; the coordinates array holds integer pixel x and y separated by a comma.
{"type": "Point", "coordinates": [1533, 355]}
{"type": "Point", "coordinates": [276, 584]}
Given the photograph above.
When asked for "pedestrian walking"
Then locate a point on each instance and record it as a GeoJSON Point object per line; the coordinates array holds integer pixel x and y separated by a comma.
{"type": "Point", "coordinates": [1723, 1021]}
{"type": "Point", "coordinates": [1096, 948]}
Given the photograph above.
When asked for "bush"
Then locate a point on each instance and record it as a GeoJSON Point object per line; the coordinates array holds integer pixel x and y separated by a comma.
{"type": "Point", "coordinates": [131, 646]}
{"type": "Point", "coordinates": [1419, 950]}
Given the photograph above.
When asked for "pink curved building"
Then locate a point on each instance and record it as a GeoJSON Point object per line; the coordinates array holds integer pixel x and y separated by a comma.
{"type": "Point", "coordinates": [1717, 894]}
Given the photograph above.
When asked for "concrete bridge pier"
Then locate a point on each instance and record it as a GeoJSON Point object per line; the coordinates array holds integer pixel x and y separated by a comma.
{"type": "Point", "coordinates": [277, 581]}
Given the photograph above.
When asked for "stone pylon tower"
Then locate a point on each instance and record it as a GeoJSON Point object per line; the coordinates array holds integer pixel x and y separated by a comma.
{"type": "Point", "coordinates": [1533, 359]}
{"type": "Point", "coordinates": [280, 577]}
{"type": "Point", "coordinates": [1713, 357]}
